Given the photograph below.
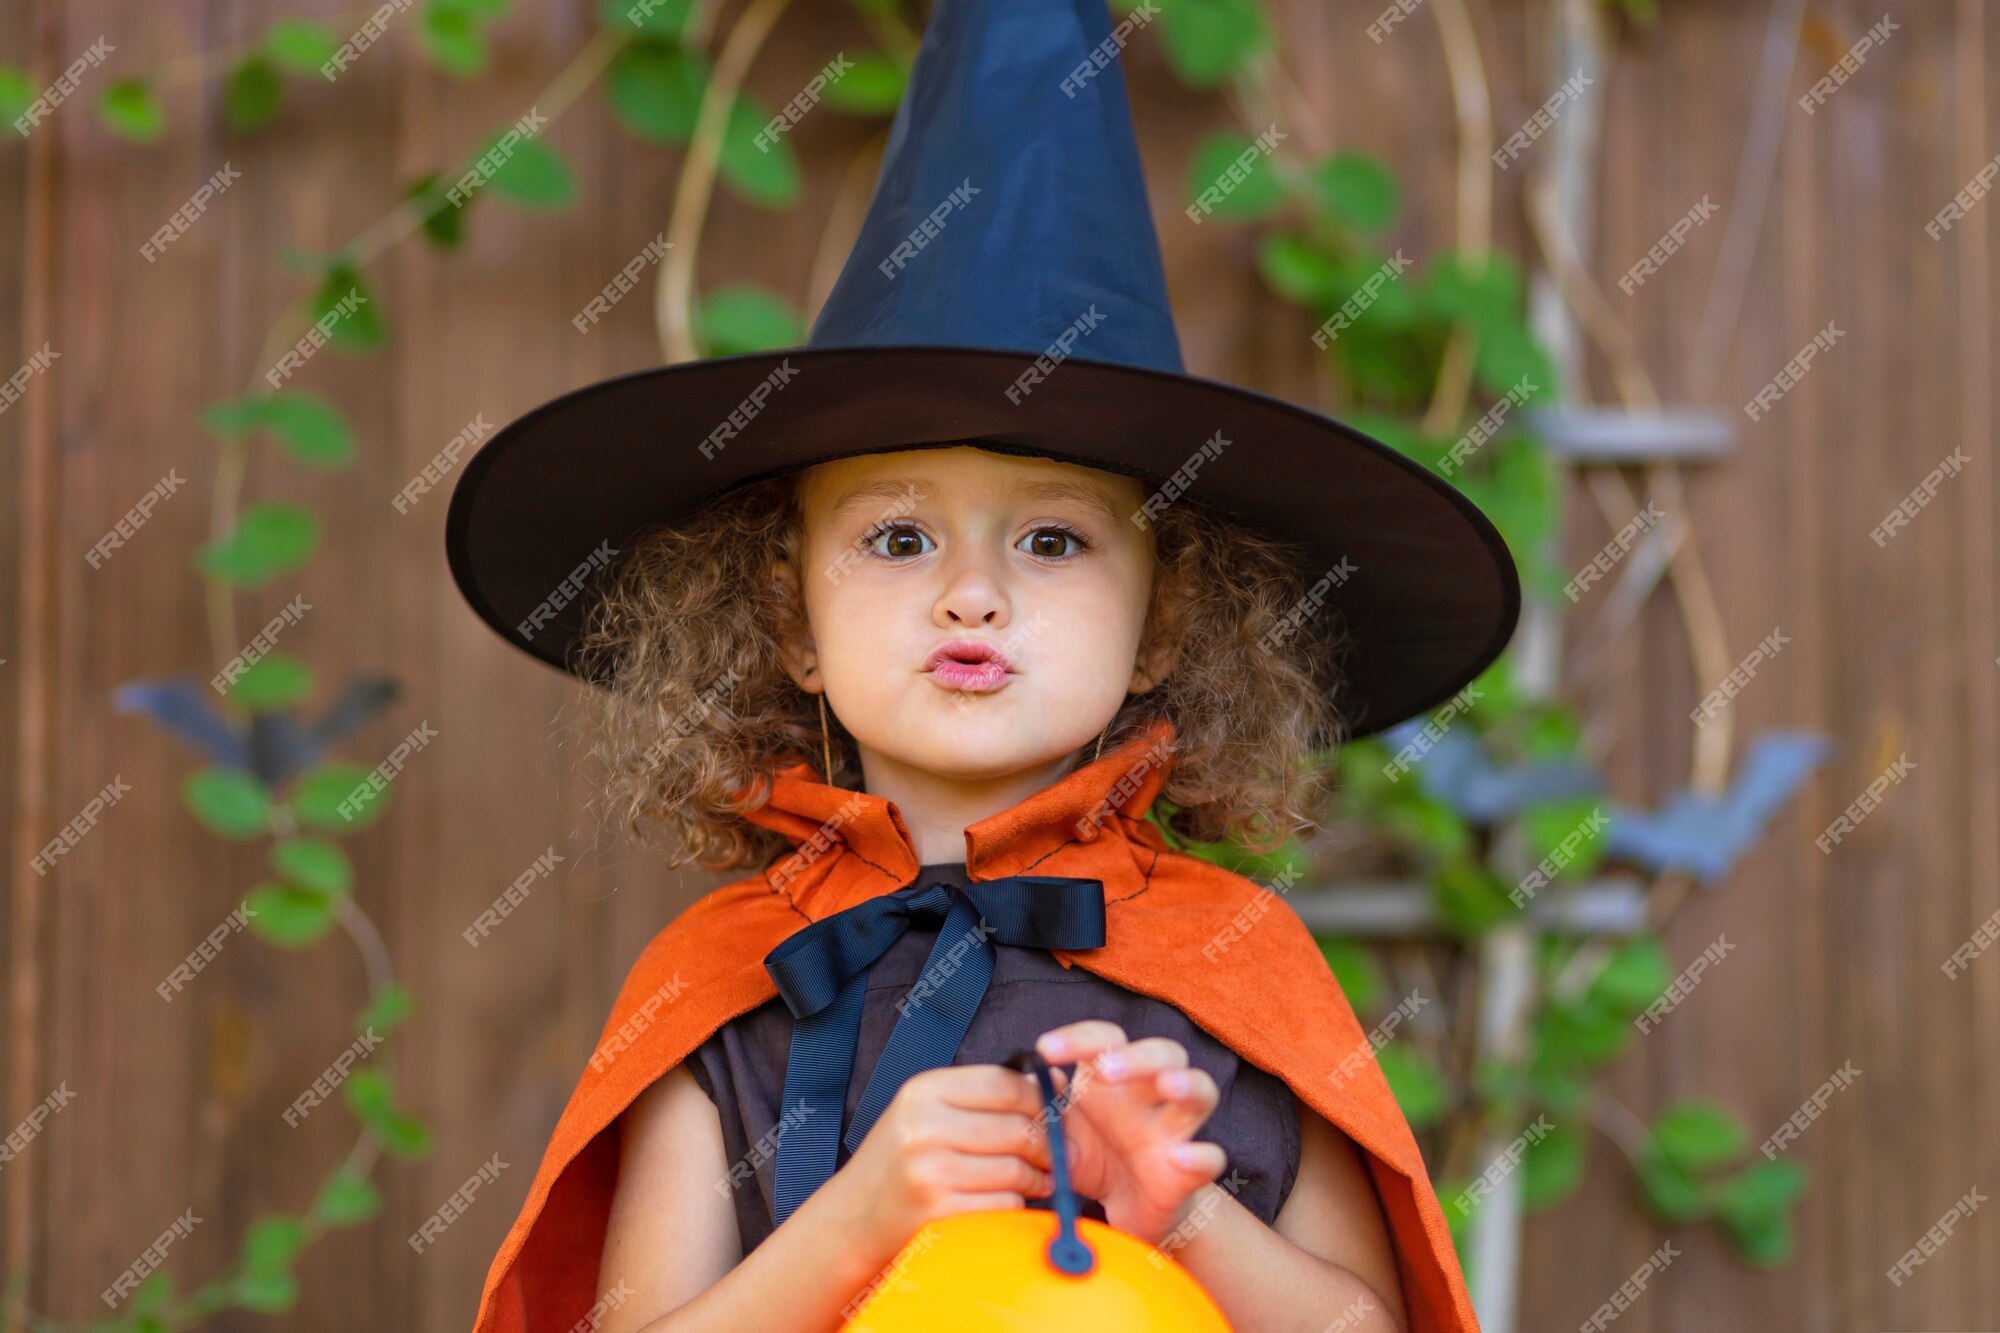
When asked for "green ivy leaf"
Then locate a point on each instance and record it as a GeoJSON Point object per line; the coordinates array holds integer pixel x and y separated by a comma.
{"type": "Point", "coordinates": [1552, 1168]}
{"type": "Point", "coordinates": [272, 1243]}
{"type": "Point", "coordinates": [287, 915]}
{"type": "Point", "coordinates": [1207, 41]}
{"type": "Point", "coordinates": [233, 418]}
{"type": "Point", "coordinates": [764, 175]}
{"type": "Point", "coordinates": [1763, 1188]}
{"type": "Point", "coordinates": [269, 538]}
{"type": "Point", "coordinates": [1253, 190]}
{"type": "Point", "coordinates": [368, 1094]}
{"type": "Point", "coordinates": [1393, 305]}
{"type": "Point", "coordinates": [443, 222]}
{"type": "Point", "coordinates": [873, 86]}
{"type": "Point", "coordinates": [356, 326]}
{"type": "Point", "coordinates": [274, 681]}
{"type": "Point", "coordinates": [1517, 489]}
{"type": "Point", "coordinates": [1571, 1034]}
{"type": "Point", "coordinates": [228, 802]}
{"type": "Point", "coordinates": [151, 1295]}
{"type": "Point", "coordinates": [309, 428]}
{"type": "Point", "coordinates": [130, 108]}
{"type": "Point", "coordinates": [306, 425]}
{"type": "Point", "coordinates": [657, 18]}
{"type": "Point", "coordinates": [1633, 977]}
{"type": "Point", "coordinates": [745, 319]}
{"type": "Point", "coordinates": [266, 1292]}
{"type": "Point", "coordinates": [1509, 360]}
{"type": "Point", "coordinates": [1421, 1089]}
{"type": "Point", "coordinates": [452, 39]}
{"type": "Point", "coordinates": [654, 89]}
{"type": "Point", "coordinates": [1356, 190]}
{"type": "Point", "coordinates": [1548, 730]}
{"type": "Point", "coordinates": [17, 93]}
{"type": "Point", "coordinates": [1672, 1193]}
{"type": "Point", "coordinates": [1357, 973]}
{"type": "Point", "coordinates": [300, 45]}
{"type": "Point", "coordinates": [1297, 267]}
{"type": "Point", "coordinates": [391, 1005]}
{"type": "Point", "coordinates": [252, 93]}
{"type": "Point", "coordinates": [405, 1136]}
{"type": "Point", "coordinates": [1480, 290]}
{"type": "Point", "coordinates": [347, 1200]}
{"type": "Point", "coordinates": [487, 10]}
{"type": "Point", "coordinates": [317, 797]}
{"type": "Point", "coordinates": [313, 863]}
{"type": "Point", "coordinates": [534, 175]}
{"type": "Point", "coordinates": [1547, 824]}
{"type": "Point", "coordinates": [1429, 825]}
{"type": "Point", "coordinates": [1696, 1134]}
{"type": "Point", "coordinates": [1559, 1085]}
{"type": "Point", "coordinates": [1767, 1242]}
{"type": "Point", "coordinates": [1469, 897]}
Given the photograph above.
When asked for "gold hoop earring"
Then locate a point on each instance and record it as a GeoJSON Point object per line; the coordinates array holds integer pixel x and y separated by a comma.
{"type": "Point", "coordinates": [1100, 744]}
{"type": "Point", "coordinates": [825, 748]}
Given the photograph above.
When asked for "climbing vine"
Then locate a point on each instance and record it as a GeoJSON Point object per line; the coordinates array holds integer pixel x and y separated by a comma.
{"type": "Point", "coordinates": [1426, 364]}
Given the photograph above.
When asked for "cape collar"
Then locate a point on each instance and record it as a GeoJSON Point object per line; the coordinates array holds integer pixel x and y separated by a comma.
{"type": "Point", "coordinates": [1091, 801]}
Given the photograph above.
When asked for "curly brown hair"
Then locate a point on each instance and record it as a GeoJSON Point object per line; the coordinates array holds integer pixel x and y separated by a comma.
{"type": "Point", "coordinates": [698, 707]}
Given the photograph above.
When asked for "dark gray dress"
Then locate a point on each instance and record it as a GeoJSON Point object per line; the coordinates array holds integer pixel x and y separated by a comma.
{"type": "Point", "coordinates": [742, 1066]}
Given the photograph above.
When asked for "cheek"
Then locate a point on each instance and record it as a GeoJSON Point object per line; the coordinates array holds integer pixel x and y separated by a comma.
{"type": "Point", "coordinates": [857, 626]}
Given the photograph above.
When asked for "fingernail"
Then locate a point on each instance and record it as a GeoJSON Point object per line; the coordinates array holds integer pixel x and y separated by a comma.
{"type": "Point", "coordinates": [1111, 1063]}
{"type": "Point", "coordinates": [1053, 1048]}
{"type": "Point", "coordinates": [1175, 1082]}
{"type": "Point", "coordinates": [1185, 1154]}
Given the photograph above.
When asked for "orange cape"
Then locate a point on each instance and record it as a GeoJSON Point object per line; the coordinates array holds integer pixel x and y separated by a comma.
{"type": "Point", "coordinates": [1222, 949]}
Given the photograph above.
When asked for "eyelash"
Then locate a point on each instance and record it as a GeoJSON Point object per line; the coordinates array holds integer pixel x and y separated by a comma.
{"type": "Point", "coordinates": [1084, 544]}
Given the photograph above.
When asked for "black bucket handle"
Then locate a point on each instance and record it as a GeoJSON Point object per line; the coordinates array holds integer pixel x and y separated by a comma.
{"type": "Point", "coordinates": [1067, 1251]}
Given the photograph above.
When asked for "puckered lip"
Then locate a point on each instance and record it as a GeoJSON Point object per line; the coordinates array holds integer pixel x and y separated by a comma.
{"type": "Point", "coordinates": [966, 650]}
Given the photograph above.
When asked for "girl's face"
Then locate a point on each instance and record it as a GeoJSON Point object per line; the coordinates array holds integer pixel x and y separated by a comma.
{"type": "Point", "coordinates": [908, 553]}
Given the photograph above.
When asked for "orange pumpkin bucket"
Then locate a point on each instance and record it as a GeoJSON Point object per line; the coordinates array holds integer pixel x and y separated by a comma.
{"type": "Point", "coordinates": [1012, 1270]}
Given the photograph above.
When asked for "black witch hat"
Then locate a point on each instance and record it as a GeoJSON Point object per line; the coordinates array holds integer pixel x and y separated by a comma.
{"type": "Point", "coordinates": [1005, 292]}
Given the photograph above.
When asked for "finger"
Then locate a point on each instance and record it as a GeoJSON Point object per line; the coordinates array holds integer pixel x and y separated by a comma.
{"type": "Point", "coordinates": [990, 1132]}
{"type": "Point", "coordinates": [976, 1173]}
{"type": "Point", "coordinates": [980, 1203]}
{"type": "Point", "coordinates": [1198, 1160]}
{"type": "Point", "coordinates": [1079, 1041]}
{"type": "Point", "coordinates": [1189, 1097]}
{"type": "Point", "coordinates": [1141, 1059]}
{"type": "Point", "coordinates": [1068, 1087]}
{"type": "Point", "coordinates": [981, 1088]}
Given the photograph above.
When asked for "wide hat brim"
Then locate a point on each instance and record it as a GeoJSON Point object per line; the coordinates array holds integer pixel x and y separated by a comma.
{"type": "Point", "coordinates": [1427, 594]}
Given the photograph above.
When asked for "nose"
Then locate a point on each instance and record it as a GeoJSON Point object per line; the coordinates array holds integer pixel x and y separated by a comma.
{"type": "Point", "coordinates": [972, 592]}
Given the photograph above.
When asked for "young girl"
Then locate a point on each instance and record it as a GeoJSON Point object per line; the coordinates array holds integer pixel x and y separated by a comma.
{"type": "Point", "coordinates": [1031, 568]}
{"type": "Point", "coordinates": [915, 626]}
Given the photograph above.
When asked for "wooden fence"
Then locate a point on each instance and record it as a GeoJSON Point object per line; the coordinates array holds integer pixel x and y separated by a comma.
{"type": "Point", "coordinates": [178, 1106]}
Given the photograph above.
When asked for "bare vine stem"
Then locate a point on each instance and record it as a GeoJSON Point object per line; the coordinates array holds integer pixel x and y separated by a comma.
{"type": "Point", "coordinates": [673, 305]}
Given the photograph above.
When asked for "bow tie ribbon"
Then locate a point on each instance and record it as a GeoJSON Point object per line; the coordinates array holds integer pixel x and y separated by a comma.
{"type": "Point", "coordinates": [822, 971]}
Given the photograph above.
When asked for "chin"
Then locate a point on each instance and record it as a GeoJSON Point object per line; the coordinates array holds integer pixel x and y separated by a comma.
{"type": "Point", "coordinates": [976, 739]}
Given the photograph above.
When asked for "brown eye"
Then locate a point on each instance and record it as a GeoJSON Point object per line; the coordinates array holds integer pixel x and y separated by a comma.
{"type": "Point", "coordinates": [1049, 543]}
{"type": "Point", "coordinates": [903, 541]}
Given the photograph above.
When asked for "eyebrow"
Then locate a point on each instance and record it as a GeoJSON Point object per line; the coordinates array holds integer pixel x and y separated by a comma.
{"type": "Point", "coordinates": [885, 493]}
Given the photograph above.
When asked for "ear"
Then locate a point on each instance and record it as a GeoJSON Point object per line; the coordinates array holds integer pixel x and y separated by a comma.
{"type": "Point", "coordinates": [1160, 644]}
{"type": "Point", "coordinates": [796, 650]}
{"type": "Point", "coordinates": [1153, 667]}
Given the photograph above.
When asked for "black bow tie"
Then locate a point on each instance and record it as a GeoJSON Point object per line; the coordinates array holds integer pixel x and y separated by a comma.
{"type": "Point", "coordinates": [822, 970]}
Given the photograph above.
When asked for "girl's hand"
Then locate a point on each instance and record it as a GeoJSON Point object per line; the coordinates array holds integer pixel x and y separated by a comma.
{"type": "Point", "coordinates": [1131, 1124]}
{"type": "Point", "coordinates": [952, 1140]}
